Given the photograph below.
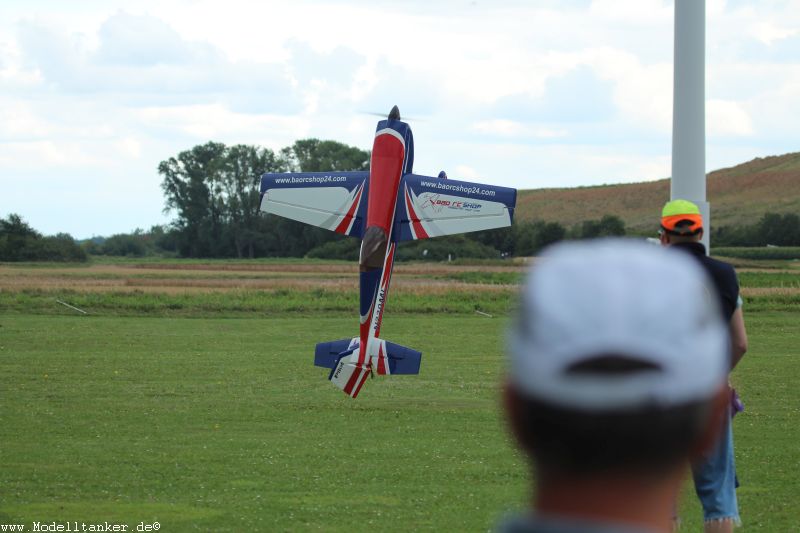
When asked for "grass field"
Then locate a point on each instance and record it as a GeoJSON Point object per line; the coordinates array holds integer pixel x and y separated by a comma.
{"type": "Point", "coordinates": [187, 397]}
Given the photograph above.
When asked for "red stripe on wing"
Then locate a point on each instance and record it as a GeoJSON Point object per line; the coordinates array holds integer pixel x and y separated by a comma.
{"type": "Point", "coordinates": [361, 382]}
{"type": "Point", "coordinates": [381, 362]}
{"type": "Point", "coordinates": [353, 381]}
{"type": "Point", "coordinates": [348, 218]}
{"type": "Point", "coordinates": [419, 231]}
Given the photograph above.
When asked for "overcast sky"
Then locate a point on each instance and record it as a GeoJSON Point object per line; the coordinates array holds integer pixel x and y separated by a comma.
{"type": "Point", "coordinates": [527, 94]}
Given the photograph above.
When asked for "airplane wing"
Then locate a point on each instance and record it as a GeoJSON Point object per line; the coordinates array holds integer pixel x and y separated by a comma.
{"type": "Point", "coordinates": [430, 207]}
{"type": "Point", "coordinates": [332, 200]}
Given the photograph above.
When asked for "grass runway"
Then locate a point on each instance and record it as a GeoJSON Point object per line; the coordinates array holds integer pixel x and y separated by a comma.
{"type": "Point", "coordinates": [218, 421]}
{"type": "Point", "coordinates": [225, 425]}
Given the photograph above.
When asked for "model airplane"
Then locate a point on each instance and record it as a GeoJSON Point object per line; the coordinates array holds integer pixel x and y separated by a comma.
{"type": "Point", "coordinates": [384, 206]}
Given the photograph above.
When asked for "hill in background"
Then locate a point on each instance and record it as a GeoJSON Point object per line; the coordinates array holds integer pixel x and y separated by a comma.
{"type": "Point", "coordinates": [738, 195]}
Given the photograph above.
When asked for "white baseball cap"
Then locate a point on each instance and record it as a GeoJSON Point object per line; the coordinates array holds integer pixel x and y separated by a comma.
{"type": "Point", "coordinates": [623, 298]}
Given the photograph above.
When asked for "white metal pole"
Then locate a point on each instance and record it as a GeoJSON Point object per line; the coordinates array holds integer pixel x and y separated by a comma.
{"type": "Point", "coordinates": [688, 109]}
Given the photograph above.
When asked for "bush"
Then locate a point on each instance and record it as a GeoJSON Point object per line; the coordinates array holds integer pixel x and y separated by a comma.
{"type": "Point", "coordinates": [124, 244]}
{"type": "Point", "coordinates": [20, 242]}
{"type": "Point", "coordinates": [772, 228]}
{"type": "Point", "coordinates": [440, 249]}
{"type": "Point", "coordinates": [608, 226]}
{"type": "Point", "coordinates": [346, 249]}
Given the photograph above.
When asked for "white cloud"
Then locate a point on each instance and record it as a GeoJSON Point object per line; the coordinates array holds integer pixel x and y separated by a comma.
{"type": "Point", "coordinates": [216, 122]}
{"type": "Point", "coordinates": [510, 128]}
{"type": "Point", "coordinates": [768, 33]}
{"type": "Point", "coordinates": [727, 118]}
{"type": "Point", "coordinates": [499, 127]}
{"type": "Point", "coordinates": [465, 172]}
{"type": "Point", "coordinates": [643, 93]}
{"type": "Point", "coordinates": [129, 146]}
{"type": "Point", "coordinates": [19, 121]}
{"type": "Point", "coordinates": [632, 12]}
{"type": "Point", "coordinates": [53, 155]}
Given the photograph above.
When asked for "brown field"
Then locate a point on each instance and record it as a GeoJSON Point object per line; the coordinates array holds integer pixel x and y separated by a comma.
{"type": "Point", "coordinates": [419, 269]}
{"type": "Point", "coordinates": [738, 195]}
{"type": "Point", "coordinates": [173, 278]}
{"type": "Point", "coordinates": [753, 292]}
{"type": "Point", "coordinates": [276, 278]}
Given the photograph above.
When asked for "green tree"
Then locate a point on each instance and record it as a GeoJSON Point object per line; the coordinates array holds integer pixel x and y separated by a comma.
{"type": "Point", "coordinates": [313, 155]}
{"type": "Point", "coordinates": [215, 191]}
{"type": "Point", "coordinates": [780, 230]}
{"type": "Point", "coordinates": [608, 226]}
{"type": "Point", "coordinates": [241, 182]}
{"type": "Point", "coordinates": [15, 235]}
{"type": "Point", "coordinates": [58, 247]}
{"type": "Point", "coordinates": [20, 242]}
{"type": "Point", "coordinates": [549, 233]}
{"type": "Point", "coordinates": [530, 237]}
{"type": "Point", "coordinates": [590, 229]}
{"type": "Point", "coordinates": [501, 239]}
{"type": "Point", "coordinates": [611, 226]}
{"type": "Point", "coordinates": [190, 182]}
{"type": "Point", "coordinates": [125, 244]}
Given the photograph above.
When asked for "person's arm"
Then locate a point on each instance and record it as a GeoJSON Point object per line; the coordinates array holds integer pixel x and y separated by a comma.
{"type": "Point", "coordinates": [738, 337]}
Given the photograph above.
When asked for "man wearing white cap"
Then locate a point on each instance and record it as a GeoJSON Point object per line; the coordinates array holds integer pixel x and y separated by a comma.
{"type": "Point", "coordinates": [614, 383]}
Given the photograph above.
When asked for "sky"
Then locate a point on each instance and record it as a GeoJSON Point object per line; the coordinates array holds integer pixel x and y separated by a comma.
{"type": "Point", "coordinates": [526, 94]}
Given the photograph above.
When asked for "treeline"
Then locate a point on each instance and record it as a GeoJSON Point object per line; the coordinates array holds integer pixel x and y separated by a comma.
{"type": "Point", "coordinates": [213, 191]}
{"type": "Point", "coordinates": [523, 238]}
{"type": "Point", "coordinates": [20, 242]}
{"type": "Point", "coordinates": [772, 229]}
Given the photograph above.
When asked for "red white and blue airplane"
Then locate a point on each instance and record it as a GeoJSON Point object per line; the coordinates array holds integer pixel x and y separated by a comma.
{"type": "Point", "coordinates": [383, 206]}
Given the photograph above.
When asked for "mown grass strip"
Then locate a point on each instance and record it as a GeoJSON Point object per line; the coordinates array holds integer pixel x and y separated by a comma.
{"type": "Point", "coordinates": [770, 279]}
{"type": "Point", "coordinates": [242, 303]}
{"type": "Point", "coordinates": [490, 278]}
{"type": "Point", "coordinates": [248, 303]}
{"type": "Point", "coordinates": [781, 252]}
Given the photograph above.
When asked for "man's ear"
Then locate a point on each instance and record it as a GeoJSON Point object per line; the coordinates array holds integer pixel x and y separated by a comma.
{"type": "Point", "coordinates": [664, 238]}
{"type": "Point", "coordinates": [713, 429]}
{"type": "Point", "coordinates": [700, 234]}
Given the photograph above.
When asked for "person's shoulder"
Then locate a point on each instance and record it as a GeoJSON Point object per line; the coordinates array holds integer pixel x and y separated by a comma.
{"type": "Point", "coordinates": [720, 268]}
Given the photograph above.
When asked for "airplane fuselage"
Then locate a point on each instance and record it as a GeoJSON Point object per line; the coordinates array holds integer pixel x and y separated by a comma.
{"type": "Point", "coordinates": [392, 157]}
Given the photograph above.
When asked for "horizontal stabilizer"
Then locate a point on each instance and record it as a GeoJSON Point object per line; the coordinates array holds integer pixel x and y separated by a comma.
{"type": "Point", "coordinates": [402, 360]}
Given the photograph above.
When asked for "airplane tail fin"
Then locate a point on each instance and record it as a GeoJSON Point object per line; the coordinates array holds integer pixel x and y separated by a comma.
{"type": "Point", "coordinates": [383, 358]}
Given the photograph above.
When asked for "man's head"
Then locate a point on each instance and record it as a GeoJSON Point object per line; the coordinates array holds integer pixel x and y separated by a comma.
{"type": "Point", "coordinates": [681, 221]}
{"type": "Point", "coordinates": [611, 368]}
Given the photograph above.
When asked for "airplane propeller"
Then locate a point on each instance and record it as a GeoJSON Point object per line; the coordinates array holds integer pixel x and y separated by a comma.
{"type": "Point", "coordinates": [394, 114]}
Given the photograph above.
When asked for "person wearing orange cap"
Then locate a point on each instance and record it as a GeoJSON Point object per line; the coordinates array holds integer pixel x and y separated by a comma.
{"type": "Point", "coordinates": [715, 474]}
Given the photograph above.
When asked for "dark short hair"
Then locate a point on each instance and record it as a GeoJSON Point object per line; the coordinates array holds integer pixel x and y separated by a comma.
{"type": "Point", "coordinates": [651, 438]}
